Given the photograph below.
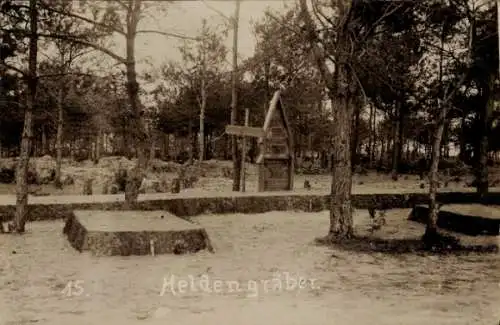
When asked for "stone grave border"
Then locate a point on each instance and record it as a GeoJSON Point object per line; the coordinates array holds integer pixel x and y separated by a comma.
{"type": "Point", "coordinates": [190, 206]}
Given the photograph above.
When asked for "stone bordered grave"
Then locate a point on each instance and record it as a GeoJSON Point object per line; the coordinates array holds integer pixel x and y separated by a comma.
{"type": "Point", "coordinates": [192, 204]}
{"type": "Point", "coordinates": [189, 205]}
{"type": "Point", "coordinates": [276, 157]}
{"type": "Point", "coordinates": [108, 233]}
{"type": "Point", "coordinates": [472, 220]}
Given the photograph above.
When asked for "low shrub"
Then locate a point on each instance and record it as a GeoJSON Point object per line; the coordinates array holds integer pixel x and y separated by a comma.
{"type": "Point", "coordinates": [7, 176]}
{"type": "Point", "coordinates": [120, 179]}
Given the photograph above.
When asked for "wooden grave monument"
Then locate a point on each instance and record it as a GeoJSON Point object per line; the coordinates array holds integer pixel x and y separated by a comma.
{"type": "Point", "coordinates": [276, 155]}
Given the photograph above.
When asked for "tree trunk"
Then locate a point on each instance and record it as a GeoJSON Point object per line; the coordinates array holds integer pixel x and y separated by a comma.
{"type": "Point", "coordinates": [371, 136]}
{"type": "Point", "coordinates": [44, 145]}
{"type": "Point", "coordinates": [34, 146]}
{"type": "Point", "coordinates": [203, 102]}
{"type": "Point", "coordinates": [207, 152]}
{"type": "Point", "coordinates": [484, 127]}
{"type": "Point", "coordinates": [123, 143]}
{"type": "Point", "coordinates": [152, 147]}
{"type": "Point", "coordinates": [234, 101]}
{"type": "Point", "coordinates": [104, 143]}
{"type": "Point", "coordinates": [209, 146]}
{"type": "Point", "coordinates": [401, 139]}
{"type": "Point", "coordinates": [19, 222]}
{"type": "Point", "coordinates": [228, 147]}
{"type": "Point", "coordinates": [355, 138]}
{"type": "Point", "coordinates": [443, 106]}
{"type": "Point", "coordinates": [90, 147]}
{"type": "Point", "coordinates": [194, 145]}
{"type": "Point", "coordinates": [396, 146]}
{"type": "Point", "coordinates": [341, 223]}
{"type": "Point", "coordinates": [342, 92]}
{"type": "Point", "coordinates": [462, 153]}
{"type": "Point", "coordinates": [166, 146]}
{"type": "Point", "coordinates": [267, 68]}
{"type": "Point", "coordinates": [97, 144]}
{"type": "Point", "coordinates": [137, 124]}
{"type": "Point", "coordinates": [375, 149]}
{"type": "Point", "coordinates": [309, 145]}
{"type": "Point", "coordinates": [72, 149]}
{"type": "Point", "coordinates": [383, 146]}
{"type": "Point", "coordinates": [59, 138]}
{"type": "Point", "coordinates": [390, 149]}
{"type": "Point", "coordinates": [190, 142]}
{"type": "Point", "coordinates": [408, 151]}
{"type": "Point", "coordinates": [431, 229]}
{"type": "Point", "coordinates": [202, 113]}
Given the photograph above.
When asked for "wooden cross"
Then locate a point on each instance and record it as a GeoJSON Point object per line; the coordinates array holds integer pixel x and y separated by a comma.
{"type": "Point", "coordinates": [244, 131]}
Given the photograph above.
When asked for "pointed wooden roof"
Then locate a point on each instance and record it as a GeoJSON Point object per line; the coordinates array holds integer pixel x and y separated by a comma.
{"type": "Point", "coordinates": [276, 104]}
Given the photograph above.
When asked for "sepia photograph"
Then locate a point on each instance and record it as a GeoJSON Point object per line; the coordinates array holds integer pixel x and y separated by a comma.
{"type": "Point", "coordinates": [281, 162]}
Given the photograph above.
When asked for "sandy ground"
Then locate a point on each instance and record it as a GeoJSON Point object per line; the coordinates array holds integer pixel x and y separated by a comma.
{"type": "Point", "coordinates": [340, 287]}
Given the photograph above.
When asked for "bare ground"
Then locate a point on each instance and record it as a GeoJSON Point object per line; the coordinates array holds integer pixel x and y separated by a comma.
{"type": "Point", "coordinates": [372, 183]}
{"type": "Point", "coordinates": [349, 288]}
{"type": "Point", "coordinates": [213, 180]}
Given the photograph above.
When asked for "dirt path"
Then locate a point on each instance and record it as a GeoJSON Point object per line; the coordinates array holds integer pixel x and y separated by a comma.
{"type": "Point", "coordinates": [351, 288]}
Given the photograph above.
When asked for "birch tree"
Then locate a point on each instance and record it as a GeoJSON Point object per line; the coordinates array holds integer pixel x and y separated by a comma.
{"type": "Point", "coordinates": [202, 64]}
{"type": "Point", "coordinates": [447, 89]}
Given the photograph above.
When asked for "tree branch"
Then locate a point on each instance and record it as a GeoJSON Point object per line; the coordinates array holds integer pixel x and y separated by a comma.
{"type": "Point", "coordinates": [123, 5]}
{"type": "Point", "coordinates": [85, 19]}
{"type": "Point", "coordinates": [317, 51]}
{"type": "Point", "coordinates": [89, 44]}
{"type": "Point", "coordinates": [343, 15]}
{"type": "Point", "coordinates": [72, 40]}
{"type": "Point", "coordinates": [472, 32]}
{"type": "Point", "coordinates": [360, 84]}
{"type": "Point", "coordinates": [277, 20]}
{"type": "Point", "coordinates": [52, 75]}
{"type": "Point", "coordinates": [168, 34]}
{"type": "Point", "coordinates": [78, 55]}
{"type": "Point", "coordinates": [438, 48]}
{"type": "Point", "coordinates": [15, 17]}
{"type": "Point", "coordinates": [216, 10]}
{"type": "Point", "coordinates": [376, 75]}
{"type": "Point", "coordinates": [386, 14]}
{"type": "Point", "coordinates": [11, 67]}
{"type": "Point", "coordinates": [320, 14]}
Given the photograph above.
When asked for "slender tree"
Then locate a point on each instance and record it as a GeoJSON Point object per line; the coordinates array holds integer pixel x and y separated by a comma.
{"type": "Point", "coordinates": [19, 222]}
{"type": "Point", "coordinates": [234, 100]}
{"type": "Point", "coordinates": [446, 90]}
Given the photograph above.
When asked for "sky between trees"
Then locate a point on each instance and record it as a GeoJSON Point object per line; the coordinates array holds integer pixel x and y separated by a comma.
{"type": "Point", "coordinates": [185, 17]}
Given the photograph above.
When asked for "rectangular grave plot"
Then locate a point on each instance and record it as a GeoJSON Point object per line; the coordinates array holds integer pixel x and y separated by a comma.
{"type": "Point", "coordinates": [461, 219]}
{"type": "Point", "coordinates": [126, 233]}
